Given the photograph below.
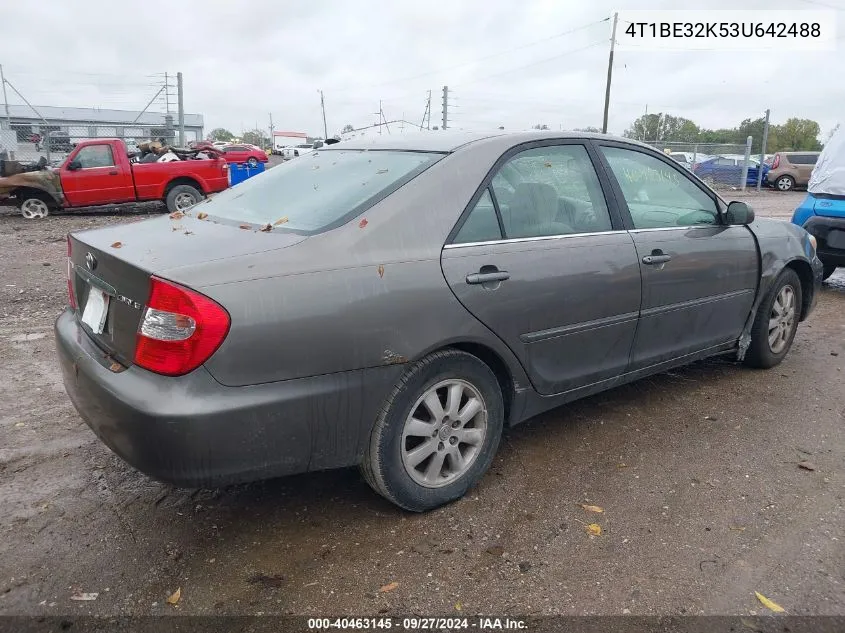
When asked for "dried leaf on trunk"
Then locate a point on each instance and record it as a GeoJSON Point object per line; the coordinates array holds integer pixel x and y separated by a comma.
{"type": "Point", "coordinates": [807, 465]}
{"type": "Point", "coordinates": [282, 220]}
{"type": "Point", "coordinates": [391, 586]}
{"type": "Point", "coordinates": [175, 596]}
{"type": "Point", "coordinates": [177, 215]}
{"type": "Point", "coordinates": [773, 606]}
{"type": "Point", "coordinates": [363, 223]}
{"type": "Point", "coordinates": [593, 529]}
{"type": "Point", "coordinates": [245, 226]}
{"type": "Point", "coordinates": [737, 528]}
{"type": "Point", "coordinates": [115, 366]}
{"type": "Point", "coordinates": [117, 244]}
{"type": "Point", "coordinates": [381, 270]}
{"type": "Point", "coordinates": [202, 215]}
{"type": "Point", "coordinates": [592, 508]}
{"type": "Point", "coordinates": [266, 228]}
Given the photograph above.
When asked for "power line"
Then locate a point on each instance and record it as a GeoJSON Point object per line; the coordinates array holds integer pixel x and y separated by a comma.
{"type": "Point", "coordinates": [535, 63]}
{"type": "Point", "coordinates": [486, 57]}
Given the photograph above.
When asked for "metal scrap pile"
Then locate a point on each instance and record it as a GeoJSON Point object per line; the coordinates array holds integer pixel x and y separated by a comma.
{"type": "Point", "coordinates": [14, 174]}
{"type": "Point", "coordinates": [159, 152]}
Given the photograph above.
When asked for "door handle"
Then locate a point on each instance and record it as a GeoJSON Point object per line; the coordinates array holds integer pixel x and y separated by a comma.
{"type": "Point", "coordinates": [485, 278]}
{"type": "Point", "coordinates": [113, 172]}
{"type": "Point", "coordinates": [656, 259]}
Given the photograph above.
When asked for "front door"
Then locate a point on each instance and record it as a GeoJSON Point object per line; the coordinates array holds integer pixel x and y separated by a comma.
{"type": "Point", "coordinates": [541, 261]}
{"type": "Point", "coordinates": [97, 178]}
{"type": "Point", "coordinates": [699, 275]}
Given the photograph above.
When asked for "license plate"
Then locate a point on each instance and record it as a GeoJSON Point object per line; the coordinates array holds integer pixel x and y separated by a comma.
{"type": "Point", "coordinates": [96, 310]}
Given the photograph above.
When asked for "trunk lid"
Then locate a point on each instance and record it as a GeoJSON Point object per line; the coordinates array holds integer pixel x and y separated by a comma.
{"type": "Point", "coordinates": [119, 261]}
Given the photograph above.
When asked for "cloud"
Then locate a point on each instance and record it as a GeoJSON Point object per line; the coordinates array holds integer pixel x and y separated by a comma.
{"type": "Point", "coordinates": [500, 58]}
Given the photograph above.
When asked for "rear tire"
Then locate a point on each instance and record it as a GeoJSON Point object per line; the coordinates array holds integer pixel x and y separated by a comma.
{"type": "Point", "coordinates": [785, 183]}
{"type": "Point", "coordinates": [419, 470]}
{"type": "Point", "coordinates": [829, 269]}
{"type": "Point", "coordinates": [776, 322]}
{"type": "Point", "coordinates": [182, 197]}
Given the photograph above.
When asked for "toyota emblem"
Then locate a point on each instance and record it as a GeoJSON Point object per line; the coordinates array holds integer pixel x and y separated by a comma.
{"type": "Point", "coordinates": [90, 261]}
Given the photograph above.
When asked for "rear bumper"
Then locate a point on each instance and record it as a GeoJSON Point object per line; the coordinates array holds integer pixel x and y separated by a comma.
{"type": "Point", "coordinates": [193, 431]}
{"type": "Point", "coordinates": [830, 236]}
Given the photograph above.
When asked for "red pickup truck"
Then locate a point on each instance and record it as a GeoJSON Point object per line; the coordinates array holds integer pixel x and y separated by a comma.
{"type": "Point", "coordinates": [98, 172]}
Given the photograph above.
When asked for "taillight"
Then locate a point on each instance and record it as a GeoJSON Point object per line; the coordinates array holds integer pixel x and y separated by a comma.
{"type": "Point", "coordinates": [776, 161]}
{"type": "Point", "coordinates": [180, 329]}
{"type": "Point", "coordinates": [71, 299]}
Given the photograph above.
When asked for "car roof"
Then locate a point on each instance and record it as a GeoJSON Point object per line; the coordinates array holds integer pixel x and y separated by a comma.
{"type": "Point", "coordinates": [449, 140]}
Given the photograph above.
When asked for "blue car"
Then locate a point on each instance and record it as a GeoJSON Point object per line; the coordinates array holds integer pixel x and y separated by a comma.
{"type": "Point", "coordinates": [727, 170]}
{"type": "Point", "coordinates": [823, 216]}
{"type": "Point", "coordinates": [822, 213]}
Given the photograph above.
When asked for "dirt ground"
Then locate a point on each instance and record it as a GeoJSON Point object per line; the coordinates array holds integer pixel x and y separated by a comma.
{"type": "Point", "coordinates": [697, 472]}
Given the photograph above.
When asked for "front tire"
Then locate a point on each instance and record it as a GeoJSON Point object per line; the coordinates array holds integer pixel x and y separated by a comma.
{"type": "Point", "coordinates": [785, 183]}
{"type": "Point", "coordinates": [829, 269]}
{"type": "Point", "coordinates": [34, 207]}
{"type": "Point", "coordinates": [776, 322]}
{"type": "Point", "coordinates": [182, 197]}
{"type": "Point", "coordinates": [437, 432]}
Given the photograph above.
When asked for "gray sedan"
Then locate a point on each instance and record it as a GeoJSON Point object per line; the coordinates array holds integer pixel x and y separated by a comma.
{"type": "Point", "coordinates": [394, 304]}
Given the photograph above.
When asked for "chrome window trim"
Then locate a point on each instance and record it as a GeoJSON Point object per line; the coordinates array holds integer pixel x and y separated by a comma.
{"type": "Point", "coordinates": [676, 228]}
{"type": "Point", "coordinates": [539, 238]}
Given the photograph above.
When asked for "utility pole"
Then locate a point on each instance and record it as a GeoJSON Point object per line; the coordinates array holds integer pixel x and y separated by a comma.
{"type": "Point", "coordinates": [180, 95]}
{"type": "Point", "coordinates": [166, 94]}
{"type": "Point", "coordinates": [445, 106]}
{"type": "Point", "coordinates": [323, 106]}
{"type": "Point", "coordinates": [609, 73]}
{"type": "Point", "coordinates": [6, 105]}
{"type": "Point", "coordinates": [427, 112]}
{"type": "Point", "coordinates": [748, 142]}
{"type": "Point", "coordinates": [272, 129]}
{"type": "Point", "coordinates": [763, 152]}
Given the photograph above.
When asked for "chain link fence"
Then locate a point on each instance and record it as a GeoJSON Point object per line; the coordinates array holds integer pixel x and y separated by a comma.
{"type": "Point", "coordinates": [53, 141]}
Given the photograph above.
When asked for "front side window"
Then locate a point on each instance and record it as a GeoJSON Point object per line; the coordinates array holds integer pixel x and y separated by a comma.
{"type": "Point", "coordinates": [550, 190]}
{"type": "Point", "coordinates": [95, 156]}
{"type": "Point", "coordinates": [658, 194]}
{"type": "Point", "coordinates": [319, 191]}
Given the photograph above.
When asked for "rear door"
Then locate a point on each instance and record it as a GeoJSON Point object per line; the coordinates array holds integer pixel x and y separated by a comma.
{"type": "Point", "coordinates": [99, 178]}
{"type": "Point", "coordinates": [699, 276]}
{"type": "Point", "coordinates": [804, 164]}
{"type": "Point", "coordinates": [542, 261]}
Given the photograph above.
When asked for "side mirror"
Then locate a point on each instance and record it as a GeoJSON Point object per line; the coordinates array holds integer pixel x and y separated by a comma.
{"type": "Point", "coordinates": [74, 165]}
{"type": "Point", "coordinates": [739, 213]}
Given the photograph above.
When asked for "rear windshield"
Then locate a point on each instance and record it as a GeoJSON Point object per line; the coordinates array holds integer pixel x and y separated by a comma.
{"type": "Point", "coordinates": [320, 190]}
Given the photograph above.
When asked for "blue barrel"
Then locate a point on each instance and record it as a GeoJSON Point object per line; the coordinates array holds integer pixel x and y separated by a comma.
{"type": "Point", "coordinates": [238, 172]}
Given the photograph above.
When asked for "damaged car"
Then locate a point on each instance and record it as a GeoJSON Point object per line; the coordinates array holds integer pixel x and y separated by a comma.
{"type": "Point", "coordinates": [395, 303]}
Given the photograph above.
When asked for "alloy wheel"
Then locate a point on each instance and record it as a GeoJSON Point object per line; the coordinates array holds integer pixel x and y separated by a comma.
{"type": "Point", "coordinates": [781, 319]}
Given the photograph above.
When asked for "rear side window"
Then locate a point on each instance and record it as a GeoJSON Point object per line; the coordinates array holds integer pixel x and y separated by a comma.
{"type": "Point", "coordinates": [803, 159]}
{"type": "Point", "coordinates": [320, 190]}
{"type": "Point", "coordinates": [481, 225]}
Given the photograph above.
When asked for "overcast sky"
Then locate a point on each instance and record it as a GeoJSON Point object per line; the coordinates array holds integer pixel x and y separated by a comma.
{"type": "Point", "coordinates": [505, 61]}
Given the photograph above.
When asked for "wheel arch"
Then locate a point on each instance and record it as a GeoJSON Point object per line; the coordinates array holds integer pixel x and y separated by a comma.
{"type": "Point", "coordinates": [805, 275]}
{"type": "Point", "coordinates": [21, 193]}
{"type": "Point", "coordinates": [497, 364]}
{"type": "Point", "coordinates": [183, 180]}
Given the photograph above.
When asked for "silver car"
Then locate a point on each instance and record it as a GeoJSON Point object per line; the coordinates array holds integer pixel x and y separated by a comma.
{"type": "Point", "coordinates": [394, 303]}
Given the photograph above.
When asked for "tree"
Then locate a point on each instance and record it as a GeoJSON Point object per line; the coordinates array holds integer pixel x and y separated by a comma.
{"type": "Point", "coordinates": [221, 134]}
{"type": "Point", "coordinates": [589, 128]}
{"type": "Point", "coordinates": [541, 126]}
{"type": "Point", "coordinates": [347, 128]}
{"type": "Point", "coordinates": [799, 134]}
{"type": "Point", "coordinates": [833, 131]}
{"type": "Point", "coordinates": [664, 128]}
{"type": "Point", "coordinates": [255, 137]}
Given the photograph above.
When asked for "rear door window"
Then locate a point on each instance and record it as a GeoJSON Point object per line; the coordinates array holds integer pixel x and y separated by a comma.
{"type": "Point", "coordinates": [319, 191]}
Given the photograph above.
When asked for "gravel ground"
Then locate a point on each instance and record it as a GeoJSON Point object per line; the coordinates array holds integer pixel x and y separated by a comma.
{"type": "Point", "coordinates": [697, 472]}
